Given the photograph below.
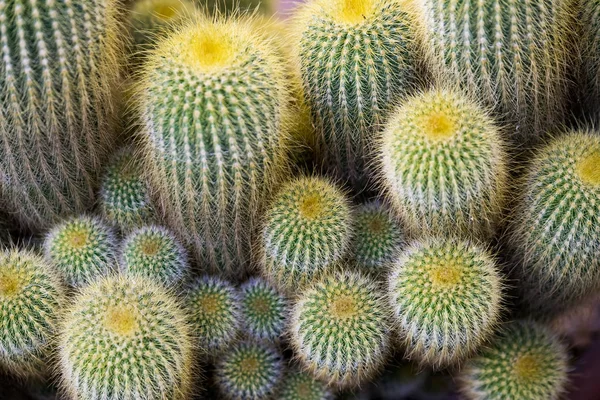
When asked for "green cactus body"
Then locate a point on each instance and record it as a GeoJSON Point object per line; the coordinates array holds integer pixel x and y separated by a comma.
{"type": "Point", "coordinates": [300, 385]}
{"type": "Point", "coordinates": [124, 195]}
{"type": "Point", "coordinates": [339, 329]}
{"type": "Point", "coordinates": [264, 310]}
{"type": "Point", "coordinates": [31, 298]}
{"type": "Point", "coordinates": [59, 64]}
{"type": "Point", "coordinates": [444, 165]}
{"type": "Point", "coordinates": [154, 252]}
{"type": "Point", "coordinates": [512, 54]}
{"type": "Point", "coordinates": [526, 362]}
{"type": "Point", "coordinates": [125, 338]}
{"type": "Point", "coordinates": [307, 229]}
{"type": "Point", "coordinates": [446, 296]}
{"type": "Point", "coordinates": [212, 101]}
{"type": "Point", "coordinates": [556, 225]}
{"type": "Point", "coordinates": [357, 57]}
{"type": "Point", "coordinates": [82, 249]}
{"type": "Point", "coordinates": [214, 312]}
{"type": "Point", "coordinates": [378, 237]}
{"type": "Point", "coordinates": [249, 371]}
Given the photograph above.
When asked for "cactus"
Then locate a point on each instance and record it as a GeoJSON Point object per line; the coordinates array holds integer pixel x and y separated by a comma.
{"type": "Point", "coordinates": [378, 237]}
{"type": "Point", "coordinates": [444, 165]}
{"type": "Point", "coordinates": [307, 229]}
{"type": "Point", "coordinates": [300, 385]}
{"type": "Point", "coordinates": [556, 226]}
{"type": "Point", "coordinates": [234, 7]}
{"type": "Point", "coordinates": [357, 57]}
{"type": "Point", "coordinates": [590, 43]}
{"type": "Point", "coordinates": [339, 329]}
{"type": "Point", "coordinates": [214, 312]}
{"type": "Point", "coordinates": [526, 362]}
{"type": "Point", "coordinates": [82, 249]}
{"type": "Point", "coordinates": [31, 297]}
{"type": "Point", "coordinates": [212, 102]}
{"type": "Point", "coordinates": [59, 64]}
{"type": "Point", "coordinates": [249, 371]}
{"type": "Point", "coordinates": [264, 310]}
{"type": "Point", "coordinates": [124, 195]}
{"type": "Point", "coordinates": [446, 296]}
{"type": "Point", "coordinates": [125, 338]}
{"type": "Point", "coordinates": [511, 54]}
{"type": "Point", "coordinates": [154, 252]}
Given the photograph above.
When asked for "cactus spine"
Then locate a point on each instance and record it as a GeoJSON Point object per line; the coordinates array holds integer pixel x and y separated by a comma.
{"type": "Point", "coordinates": [339, 329]}
{"type": "Point", "coordinates": [307, 229]}
{"type": "Point", "coordinates": [264, 310]}
{"type": "Point", "coordinates": [444, 165]}
{"type": "Point", "coordinates": [526, 362]}
{"type": "Point", "coordinates": [212, 102]}
{"type": "Point", "coordinates": [356, 58]}
{"type": "Point", "coordinates": [556, 225]}
{"type": "Point", "coordinates": [31, 297]}
{"type": "Point", "coordinates": [300, 385]}
{"type": "Point", "coordinates": [59, 63]}
{"type": "Point", "coordinates": [512, 54]}
{"type": "Point", "coordinates": [446, 296]}
{"type": "Point", "coordinates": [590, 23]}
{"type": "Point", "coordinates": [125, 338]}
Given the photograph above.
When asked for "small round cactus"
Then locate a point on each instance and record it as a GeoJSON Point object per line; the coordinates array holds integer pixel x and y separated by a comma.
{"type": "Point", "coordinates": [31, 299]}
{"type": "Point", "coordinates": [249, 371]}
{"type": "Point", "coordinates": [263, 309]}
{"type": "Point", "coordinates": [446, 296]}
{"type": "Point", "coordinates": [125, 338]}
{"type": "Point", "coordinates": [154, 252]}
{"type": "Point", "coordinates": [378, 237]}
{"type": "Point", "coordinates": [555, 233]}
{"type": "Point", "coordinates": [339, 329]}
{"type": "Point", "coordinates": [82, 249]}
{"type": "Point", "coordinates": [307, 229]}
{"type": "Point", "coordinates": [214, 313]}
{"type": "Point", "coordinates": [526, 362]}
{"type": "Point", "coordinates": [124, 194]}
{"type": "Point", "coordinates": [444, 165]}
{"type": "Point", "coordinates": [300, 385]}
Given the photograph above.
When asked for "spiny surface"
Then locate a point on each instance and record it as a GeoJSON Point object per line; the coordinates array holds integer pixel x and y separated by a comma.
{"type": "Point", "coordinates": [590, 48]}
{"type": "Point", "coordinates": [444, 165]}
{"type": "Point", "coordinates": [526, 362]}
{"type": "Point", "coordinates": [31, 299]}
{"type": "Point", "coordinates": [264, 310]}
{"type": "Point", "coordinates": [212, 101]}
{"type": "Point", "coordinates": [339, 329]}
{"type": "Point", "coordinates": [59, 64]}
{"type": "Point", "coordinates": [446, 296]}
{"type": "Point", "coordinates": [300, 385]}
{"type": "Point", "coordinates": [556, 227]}
{"type": "Point", "coordinates": [82, 249]}
{"type": "Point", "coordinates": [307, 228]}
{"type": "Point", "coordinates": [127, 339]}
{"type": "Point", "coordinates": [356, 58]}
{"type": "Point", "coordinates": [214, 311]}
{"type": "Point", "coordinates": [249, 371]}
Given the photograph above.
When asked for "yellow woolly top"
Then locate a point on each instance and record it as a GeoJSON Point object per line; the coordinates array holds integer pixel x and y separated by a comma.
{"type": "Point", "coordinates": [588, 169]}
{"type": "Point", "coordinates": [162, 10]}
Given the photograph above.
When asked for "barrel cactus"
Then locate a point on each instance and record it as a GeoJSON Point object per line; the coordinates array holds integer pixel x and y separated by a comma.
{"type": "Point", "coordinates": [264, 310]}
{"type": "Point", "coordinates": [301, 385]}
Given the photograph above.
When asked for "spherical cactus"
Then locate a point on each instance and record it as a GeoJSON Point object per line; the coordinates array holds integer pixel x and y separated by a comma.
{"type": "Point", "coordinates": [378, 237]}
{"type": "Point", "coordinates": [213, 306]}
{"type": "Point", "coordinates": [444, 165]}
{"type": "Point", "coordinates": [58, 69]}
{"type": "Point", "coordinates": [124, 195]}
{"type": "Point", "coordinates": [82, 249]}
{"type": "Point", "coordinates": [339, 329]}
{"type": "Point", "coordinates": [556, 227]}
{"type": "Point", "coordinates": [125, 338]}
{"type": "Point", "coordinates": [446, 296]}
{"type": "Point", "coordinates": [300, 385]}
{"type": "Point", "coordinates": [154, 252]}
{"type": "Point", "coordinates": [212, 102]}
{"type": "Point", "coordinates": [249, 371]}
{"type": "Point", "coordinates": [31, 299]}
{"type": "Point", "coordinates": [526, 362]}
{"type": "Point", "coordinates": [264, 310]}
{"type": "Point", "coordinates": [356, 58]}
{"type": "Point", "coordinates": [307, 229]}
